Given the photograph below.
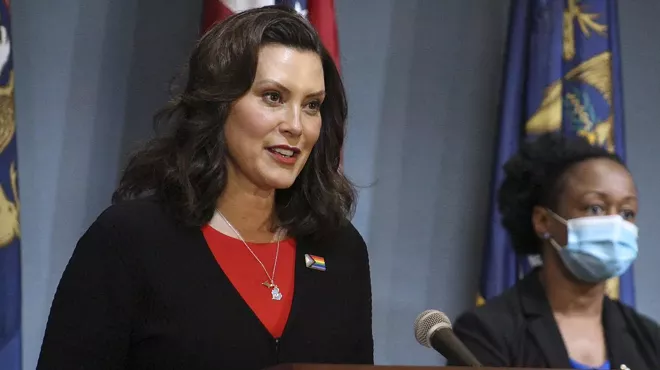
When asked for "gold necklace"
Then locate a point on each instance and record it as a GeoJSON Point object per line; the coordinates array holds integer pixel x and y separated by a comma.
{"type": "Point", "coordinates": [270, 283]}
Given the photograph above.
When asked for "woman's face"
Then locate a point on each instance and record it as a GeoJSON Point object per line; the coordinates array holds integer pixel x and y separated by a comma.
{"type": "Point", "coordinates": [595, 187]}
{"type": "Point", "coordinates": [271, 130]}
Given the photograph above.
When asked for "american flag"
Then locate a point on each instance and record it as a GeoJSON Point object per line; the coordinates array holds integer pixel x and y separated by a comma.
{"type": "Point", "coordinates": [321, 13]}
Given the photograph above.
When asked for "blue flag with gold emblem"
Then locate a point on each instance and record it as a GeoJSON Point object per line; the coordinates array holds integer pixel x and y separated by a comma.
{"type": "Point", "coordinates": [10, 262]}
{"type": "Point", "coordinates": [562, 74]}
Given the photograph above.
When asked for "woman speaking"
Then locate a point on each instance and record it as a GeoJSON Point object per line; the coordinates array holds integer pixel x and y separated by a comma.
{"type": "Point", "coordinates": [228, 245]}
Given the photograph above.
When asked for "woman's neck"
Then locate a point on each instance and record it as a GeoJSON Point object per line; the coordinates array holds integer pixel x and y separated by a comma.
{"type": "Point", "coordinates": [568, 297]}
{"type": "Point", "coordinates": [248, 209]}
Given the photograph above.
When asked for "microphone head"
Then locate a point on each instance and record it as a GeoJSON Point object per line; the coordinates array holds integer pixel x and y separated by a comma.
{"type": "Point", "coordinates": [427, 323]}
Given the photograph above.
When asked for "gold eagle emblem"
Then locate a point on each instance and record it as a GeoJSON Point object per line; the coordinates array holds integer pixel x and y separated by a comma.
{"type": "Point", "coordinates": [595, 72]}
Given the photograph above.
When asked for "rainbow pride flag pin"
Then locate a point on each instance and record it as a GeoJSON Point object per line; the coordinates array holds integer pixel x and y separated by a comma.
{"type": "Point", "coordinates": [315, 262]}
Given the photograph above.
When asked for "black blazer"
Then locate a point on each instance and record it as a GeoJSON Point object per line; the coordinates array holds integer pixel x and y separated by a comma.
{"type": "Point", "coordinates": [143, 292]}
{"type": "Point", "coordinates": [517, 329]}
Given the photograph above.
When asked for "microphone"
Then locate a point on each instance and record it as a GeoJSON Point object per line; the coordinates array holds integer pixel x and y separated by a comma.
{"type": "Point", "coordinates": [433, 330]}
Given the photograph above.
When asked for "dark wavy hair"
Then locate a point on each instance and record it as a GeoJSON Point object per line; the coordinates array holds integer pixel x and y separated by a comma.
{"type": "Point", "coordinates": [184, 166]}
{"type": "Point", "coordinates": [535, 176]}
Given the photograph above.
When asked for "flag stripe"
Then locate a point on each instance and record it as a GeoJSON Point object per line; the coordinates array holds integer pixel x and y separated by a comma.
{"type": "Point", "coordinates": [321, 13]}
{"type": "Point", "coordinates": [242, 5]}
{"type": "Point", "coordinates": [214, 12]}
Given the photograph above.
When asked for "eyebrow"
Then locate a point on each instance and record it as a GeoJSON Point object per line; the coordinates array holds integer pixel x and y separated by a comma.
{"type": "Point", "coordinates": [318, 94]}
{"type": "Point", "coordinates": [603, 195]}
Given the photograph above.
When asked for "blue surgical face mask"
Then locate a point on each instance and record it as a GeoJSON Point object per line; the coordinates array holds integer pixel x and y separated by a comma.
{"type": "Point", "coordinates": [598, 248]}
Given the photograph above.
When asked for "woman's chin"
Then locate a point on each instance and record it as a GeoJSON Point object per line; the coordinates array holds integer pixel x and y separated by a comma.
{"type": "Point", "coordinates": [279, 178]}
{"type": "Point", "coordinates": [281, 184]}
{"type": "Point", "coordinates": [276, 181]}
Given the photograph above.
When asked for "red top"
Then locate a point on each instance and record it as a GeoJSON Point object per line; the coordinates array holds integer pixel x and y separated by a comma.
{"type": "Point", "coordinates": [247, 275]}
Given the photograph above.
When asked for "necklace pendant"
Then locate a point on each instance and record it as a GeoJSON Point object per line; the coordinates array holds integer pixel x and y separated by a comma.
{"type": "Point", "coordinates": [275, 293]}
{"type": "Point", "coordinates": [274, 290]}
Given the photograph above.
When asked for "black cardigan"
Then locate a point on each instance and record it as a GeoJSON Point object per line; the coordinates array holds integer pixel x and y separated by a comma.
{"type": "Point", "coordinates": [518, 329]}
{"type": "Point", "coordinates": [143, 292]}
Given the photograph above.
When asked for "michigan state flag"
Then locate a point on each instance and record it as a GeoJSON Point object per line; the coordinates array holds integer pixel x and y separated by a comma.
{"type": "Point", "coordinates": [562, 74]}
{"type": "Point", "coordinates": [10, 272]}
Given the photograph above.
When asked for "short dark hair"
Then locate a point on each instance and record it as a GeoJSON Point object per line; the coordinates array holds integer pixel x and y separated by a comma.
{"type": "Point", "coordinates": [535, 176]}
{"type": "Point", "coordinates": [184, 166]}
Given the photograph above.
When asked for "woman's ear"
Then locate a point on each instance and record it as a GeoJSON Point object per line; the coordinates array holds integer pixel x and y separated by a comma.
{"type": "Point", "coordinates": [541, 221]}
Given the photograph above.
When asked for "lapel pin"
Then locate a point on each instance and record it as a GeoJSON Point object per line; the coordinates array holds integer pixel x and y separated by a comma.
{"type": "Point", "coordinates": [315, 262]}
